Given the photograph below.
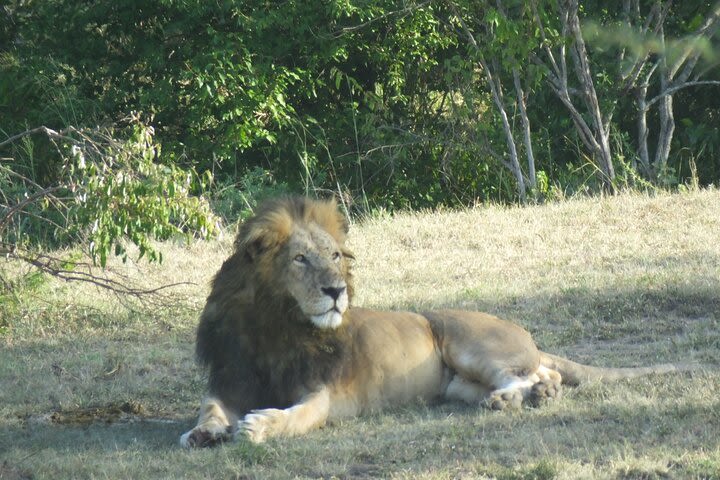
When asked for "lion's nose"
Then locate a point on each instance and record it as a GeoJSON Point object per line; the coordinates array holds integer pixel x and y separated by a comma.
{"type": "Point", "coordinates": [333, 292]}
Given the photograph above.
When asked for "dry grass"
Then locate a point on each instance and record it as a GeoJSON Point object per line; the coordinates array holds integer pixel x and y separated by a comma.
{"type": "Point", "coordinates": [618, 281]}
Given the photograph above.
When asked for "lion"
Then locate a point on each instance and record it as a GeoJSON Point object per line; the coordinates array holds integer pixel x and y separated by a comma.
{"type": "Point", "coordinates": [287, 353]}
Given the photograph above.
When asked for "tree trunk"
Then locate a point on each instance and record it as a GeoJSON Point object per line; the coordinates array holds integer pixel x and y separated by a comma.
{"type": "Point", "coordinates": [527, 135]}
{"type": "Point", "coordinates": [667, 128]}
{"type": "Point", "coordinates": [643, 131]}
{"type": "Point", "coordinates": [600, 128]}
{"type": "Point", "coordinates": [594, 132]}
{"type": "Point", "coordinates": [513, 164]}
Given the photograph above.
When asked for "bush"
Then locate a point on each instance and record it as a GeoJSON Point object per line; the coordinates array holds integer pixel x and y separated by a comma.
{"type": "Point", "coordinates": [109, 186]}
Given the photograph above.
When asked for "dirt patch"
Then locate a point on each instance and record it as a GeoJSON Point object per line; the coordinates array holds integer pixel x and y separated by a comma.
{"type": "Point", "coordinates": [120, 412]}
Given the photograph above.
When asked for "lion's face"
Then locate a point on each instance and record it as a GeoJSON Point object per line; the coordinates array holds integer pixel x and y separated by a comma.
{"type": "Point", "coordinates": [313, 268]}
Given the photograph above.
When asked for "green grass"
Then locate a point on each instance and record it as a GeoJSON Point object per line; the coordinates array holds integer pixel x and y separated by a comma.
{"type": "Point", "coordinates": [92, 386]}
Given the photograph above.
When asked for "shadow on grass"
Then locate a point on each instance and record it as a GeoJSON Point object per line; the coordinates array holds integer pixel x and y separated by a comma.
{"type": "Point", "coordinates": [577, 314]}
{"type": "Point", "coordinates": [95, 436]}
{"type": "Point", "coordinates": [406, 440]}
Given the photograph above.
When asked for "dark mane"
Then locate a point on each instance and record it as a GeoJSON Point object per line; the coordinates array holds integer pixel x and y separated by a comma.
{"type": "Point", "coordinates": [260, 349]}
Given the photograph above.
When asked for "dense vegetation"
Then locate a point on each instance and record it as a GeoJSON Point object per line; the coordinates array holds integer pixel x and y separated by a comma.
{"type": "Point", "coordinates": [389, 104]}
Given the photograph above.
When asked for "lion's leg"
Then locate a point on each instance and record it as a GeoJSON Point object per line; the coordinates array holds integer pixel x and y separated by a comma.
{"type": "Point", "coordinates": [497, 356]}
{"type": "Point", "coordinates": [547, 387]}
{"type": "Point", "coordinates": [494, 375]}
{"type": "Point", "coordinates": [466, 391]}
{"type": "Point", "coordinates": [216, 424]}
{"type": "Point", "coordinates": [312, 412]}
{"type": "Point", "coordinates": [512, 392]}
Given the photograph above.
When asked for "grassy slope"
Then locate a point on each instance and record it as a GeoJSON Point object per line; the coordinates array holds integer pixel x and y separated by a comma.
{"type": "Point", "coordinates": [621, 281]}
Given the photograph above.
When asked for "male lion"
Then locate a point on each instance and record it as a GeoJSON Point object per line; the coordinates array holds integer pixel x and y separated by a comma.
{"type": "Point", "coordinates": [286, 352]}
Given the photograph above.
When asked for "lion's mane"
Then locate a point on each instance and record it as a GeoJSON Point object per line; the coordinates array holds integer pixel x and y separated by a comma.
{"type": "Point", "coordinates": [259, 349]}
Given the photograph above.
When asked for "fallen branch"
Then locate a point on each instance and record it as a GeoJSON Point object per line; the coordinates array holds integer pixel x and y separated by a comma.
{"type": "Point", "coordinates": [54, 267]}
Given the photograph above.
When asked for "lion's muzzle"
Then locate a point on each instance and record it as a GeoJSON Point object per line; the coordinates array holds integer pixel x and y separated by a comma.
{"type": "Point", "coordinates": [336, 300]}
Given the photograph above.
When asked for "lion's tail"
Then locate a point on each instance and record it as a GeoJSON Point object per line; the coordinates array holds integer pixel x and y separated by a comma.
{"type": "Point", "coordinates": [574, 373]}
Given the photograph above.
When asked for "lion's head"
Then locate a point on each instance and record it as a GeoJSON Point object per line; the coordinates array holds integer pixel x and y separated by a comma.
{"type": "Point", "coordinates": [291, 257]}
{"type": "Point", "coordinates": [295, 250]}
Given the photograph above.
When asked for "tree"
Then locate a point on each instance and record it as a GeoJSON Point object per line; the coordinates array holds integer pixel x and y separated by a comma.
{"type": "Point", "coordinates": [674, 66]}
{"type": "Point", "coordinates": [396, 103]}
{"type": "Point", "coordinates": [592, 126]}
{"type": "Point", "coordinates": [641, 57]}
{"type": "Point", "coordinates": [504, 44]}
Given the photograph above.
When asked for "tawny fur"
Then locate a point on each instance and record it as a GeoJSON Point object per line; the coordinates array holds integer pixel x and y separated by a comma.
{"type": "Point", "coordinates": [286, 354]}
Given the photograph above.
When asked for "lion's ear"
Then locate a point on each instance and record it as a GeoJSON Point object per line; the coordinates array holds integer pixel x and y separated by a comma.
{"type": "Point", "coordinates": [253, 249]}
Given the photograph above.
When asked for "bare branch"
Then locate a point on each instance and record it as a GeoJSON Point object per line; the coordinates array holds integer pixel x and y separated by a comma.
{"type": "Point", "coordinates": [527, 135]}
{"type": "Point", "coordinates": [54, 266]}
{"type": "Point", "coordinates": [629, 79]}
{"type": "Point", "coordinates": [672, 90]}
{"type": "Point", "coordinates": [402, 12]}
{"type": "Point", "coordinates": [47, 131]}
{"type": "Point", "coordinates": [46, 192]}
{"type": "Point", "coordinates": [496, 91]}
{"type": "Point", "coordinates": [558, 75]}
{"type": "Point", "coordinates": [709, 24]}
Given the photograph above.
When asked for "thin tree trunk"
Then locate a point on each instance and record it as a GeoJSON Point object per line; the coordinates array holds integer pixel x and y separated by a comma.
{"type": "Point", "coordinates": [514, 163]}
{"type": "Point", "coordinates": [643, 130]}
{"type": "Point", "coordinates": [595, 133]}
{"type": "Point", "coordinates": [667, 129]}
{"type": "Point", "coordinates": [496, 90]}
{"type": "Point", "coordinates": [527, 135]}
{"type": "Point", "coordinates": [582, 70]}
{"type": "Point", "coordinates": [673, 79]}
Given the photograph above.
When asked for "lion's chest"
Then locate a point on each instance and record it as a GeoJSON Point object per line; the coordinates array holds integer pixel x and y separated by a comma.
{"type": "Point", "coordinates": [290, 369]}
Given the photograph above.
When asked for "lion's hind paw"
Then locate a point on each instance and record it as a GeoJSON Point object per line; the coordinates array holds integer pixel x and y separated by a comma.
{"type": "Point", "coordinates": [544, 391]}
{"type": "Point", "coordinates": [504, 399]}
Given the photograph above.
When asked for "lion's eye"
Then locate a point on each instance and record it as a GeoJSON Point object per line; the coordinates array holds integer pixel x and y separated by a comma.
{"type": "Point", "coordinates": [300, 258]}
{"type": "Point", "coordinates": [336, 256]}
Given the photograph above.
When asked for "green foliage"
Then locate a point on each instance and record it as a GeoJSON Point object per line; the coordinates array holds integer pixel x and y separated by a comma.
{"type": "Point", "coordinates": [109, 187]}
{"type": "Point", "coordinates": [236, 201]}
{"type": "Point", "coordinates": [382, 101]}
{"type": "Point", "coordinates": [10, 295]}
{"type": "Point", "coordinates": [123, 193]}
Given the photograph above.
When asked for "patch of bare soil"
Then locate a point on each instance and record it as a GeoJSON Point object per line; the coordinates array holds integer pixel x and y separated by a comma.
{"type": "Point", "coordinates": [119, 412]}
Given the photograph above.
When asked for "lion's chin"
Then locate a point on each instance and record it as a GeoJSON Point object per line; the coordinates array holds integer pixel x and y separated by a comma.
{"type": "Point", "coordinates": [331, 319]}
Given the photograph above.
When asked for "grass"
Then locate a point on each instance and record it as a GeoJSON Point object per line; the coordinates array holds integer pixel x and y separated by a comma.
{"type": "Point", "coordinates": [92, 386]}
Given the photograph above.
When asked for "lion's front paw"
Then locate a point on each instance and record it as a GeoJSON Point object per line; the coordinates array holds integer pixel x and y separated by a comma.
{"type": "Point", "coordinates": [502, 399]}
{"type": "Point", "coordinates": [259, 425]}
{"type": "Point", "coordinates": [204, 436]}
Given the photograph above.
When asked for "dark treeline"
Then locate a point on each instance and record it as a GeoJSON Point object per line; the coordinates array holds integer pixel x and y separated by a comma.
{"type": "Point", "coordinates": [389, 104]}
